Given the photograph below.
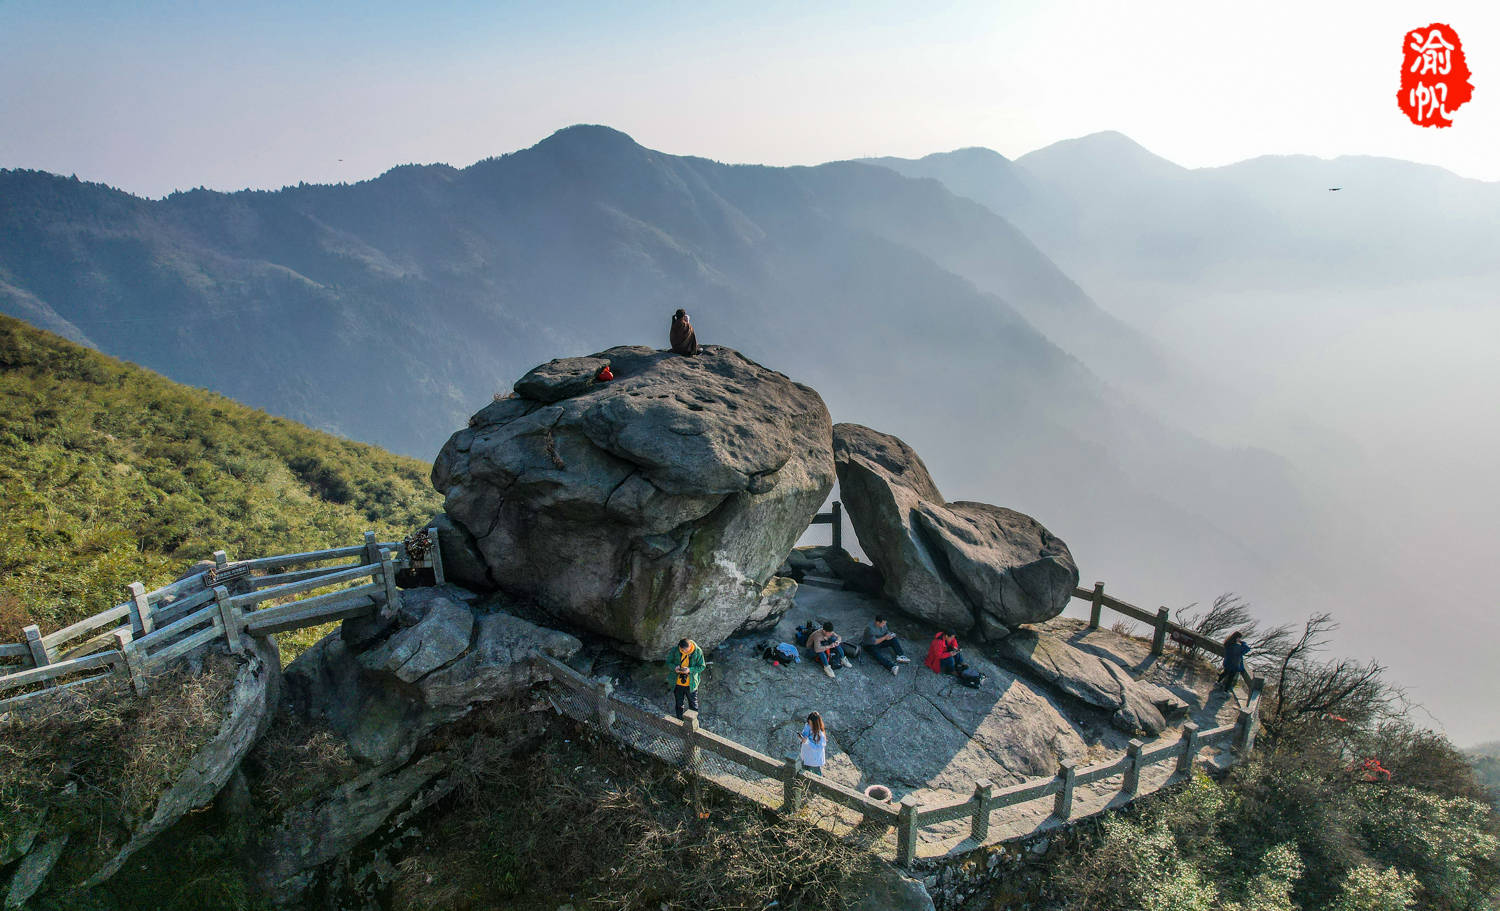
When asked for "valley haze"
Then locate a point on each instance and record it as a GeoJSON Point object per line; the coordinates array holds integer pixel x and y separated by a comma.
{"type": "Point", "coordinates": [1204, 380]}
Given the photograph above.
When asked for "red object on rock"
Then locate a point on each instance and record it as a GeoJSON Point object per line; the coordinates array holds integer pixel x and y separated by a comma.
{"type": "Point", "coordinates": [604, 374]}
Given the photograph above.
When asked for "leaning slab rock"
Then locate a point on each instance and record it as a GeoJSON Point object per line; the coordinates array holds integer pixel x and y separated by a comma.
{"type": "Point", "coordinates": [649, 508]}
{"type": "Point", "coordinates": [966, 566]}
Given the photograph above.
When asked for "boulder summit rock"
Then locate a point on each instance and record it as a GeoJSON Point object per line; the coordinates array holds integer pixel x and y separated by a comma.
{"type": "Point", "coordinates": [969, 566]}
{"type": "Point", "coordinates": [649, 508]}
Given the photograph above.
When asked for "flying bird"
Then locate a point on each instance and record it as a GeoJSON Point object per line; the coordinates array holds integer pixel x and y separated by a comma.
{"type": "Point", "coordinates": [1330, 189]}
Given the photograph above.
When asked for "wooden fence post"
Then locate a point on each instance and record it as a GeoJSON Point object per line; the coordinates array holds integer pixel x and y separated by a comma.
{"type": "Point", "coordinates": [131, 661]}
{"type": "Point", "coordinates": [690, 740]}
{"type": "Point", "coordinates": [1159, 641]}
{"type": "Point", "coordinates": [39, 656]}
{"type": "Point", "coordinates": [906, 831]}
{"type": "Point", "coordinates": [838, 525]}
{"type": "Point", "coordinates": [791, 780]}
{"type": "Point", "coordinates": [388, 574]}
{"type": "Point", "coordinates": [979, 827]}
{"type": "Point", "coordinates": [230, 618]}
{"type": "Point", "coordinates": [435, 549]}
{"type": "Point", "coordinates": [1067, 771]}
{"type": "Point", "coordinates": [1189, 747]}
{"type": "Point", "coordinates": [1096, 606]}
{"type": "Point", "coordinates": [140, 611]}
{"type": "Point", "coordinates": [1132, 782]}
{"type": "Point", "coordinates": [602, 707]}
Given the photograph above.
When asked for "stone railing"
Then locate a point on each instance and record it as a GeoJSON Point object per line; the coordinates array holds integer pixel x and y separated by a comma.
{"type": "Point", "coordinates": [1160, 621]}
{"type": "Point", "coordinates": [231, 600]}
{"type": "Point", "coordinates": [782, 784]}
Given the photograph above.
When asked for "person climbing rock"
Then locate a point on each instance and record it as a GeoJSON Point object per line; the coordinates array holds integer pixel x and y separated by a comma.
{"type": "Point", "coordinates": [687, 672]}
{"type": "Point", "coordinates": [1235, 650]}
{"type": "Point", "coordinates": [828, 647]}
{"type": "Point", "coordinates": [879, 641]}
{"type": "Point", "coordinates": [944, 655]}
{"type": "Point", "coordinates": [684, 339]}
{"type": "Point", "coordinates": [814, 744]}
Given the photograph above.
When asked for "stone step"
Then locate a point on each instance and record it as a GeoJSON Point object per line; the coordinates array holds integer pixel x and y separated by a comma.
{"type": "Point", "coordinates": [823, 581]}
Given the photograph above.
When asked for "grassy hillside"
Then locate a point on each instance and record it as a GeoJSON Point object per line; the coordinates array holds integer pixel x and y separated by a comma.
{"type": "Point", "coordinates": [110, 473]}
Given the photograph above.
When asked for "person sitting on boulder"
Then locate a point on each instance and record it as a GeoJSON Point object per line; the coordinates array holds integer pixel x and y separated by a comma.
{"type": "Point", "coordinates": [688, 670]}
{"type": "Point", "coordinates": [684, 339]}
{"type": "Point", "coordinates": [879, 640]}
{"type": "Point", "coordinates": [825, 643]}
{"type": "Point", "coordinates": [943, 655]}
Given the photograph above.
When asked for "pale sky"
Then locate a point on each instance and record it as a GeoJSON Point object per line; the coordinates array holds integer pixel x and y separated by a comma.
{"type": "Point", "coordinates": [157, 95]}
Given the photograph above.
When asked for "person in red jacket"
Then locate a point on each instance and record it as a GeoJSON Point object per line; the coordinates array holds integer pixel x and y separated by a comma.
{"type": "Point", "coordinates": [944, 655]}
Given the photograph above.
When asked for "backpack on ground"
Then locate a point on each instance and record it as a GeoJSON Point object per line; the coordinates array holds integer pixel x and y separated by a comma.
{"type": "Point", "coordinates": [971, 679]}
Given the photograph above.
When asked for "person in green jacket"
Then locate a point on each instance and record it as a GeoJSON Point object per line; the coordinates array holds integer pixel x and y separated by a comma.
{"type": "Point", "coordinates": [687, 670]}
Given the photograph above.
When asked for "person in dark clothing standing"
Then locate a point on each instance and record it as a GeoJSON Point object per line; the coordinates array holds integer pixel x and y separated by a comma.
{"type": "Point", "coordinates": [687, 671]}
{"type": "Point", "coordinates": [684, 339]}
{"type": "Point", "coordinates": [1235, 650]}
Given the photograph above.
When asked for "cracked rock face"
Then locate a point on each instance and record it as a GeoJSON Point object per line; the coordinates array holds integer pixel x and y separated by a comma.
{"type": "Point", "coordinates": [650, 508]}
{"type": "Point", "coordinates": [1135, 704]}
{"type": "Point", "coordinates": [971, 567]}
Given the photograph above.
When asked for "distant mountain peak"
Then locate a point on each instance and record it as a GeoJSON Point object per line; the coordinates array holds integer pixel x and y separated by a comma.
{"type": "Point", "coordinates": [591, 137]}
{"type": "Point", "coordinates": [969, 153]}
{"type": "Point", "coordinates": [1103, 148]}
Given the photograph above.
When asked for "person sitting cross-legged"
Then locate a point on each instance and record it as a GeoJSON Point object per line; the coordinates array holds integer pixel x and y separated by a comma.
{"type": "Point", "coordinates": [826, 644]}
{"type": "Point", "coordinates": [885, 646]}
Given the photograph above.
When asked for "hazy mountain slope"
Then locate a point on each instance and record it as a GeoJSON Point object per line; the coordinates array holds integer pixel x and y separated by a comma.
{"type": "Point", "coordinates": [111, 474]}
{"type": "Point", "coordinates": [391, 309]}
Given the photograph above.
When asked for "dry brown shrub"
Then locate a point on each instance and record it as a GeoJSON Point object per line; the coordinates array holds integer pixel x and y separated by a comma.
{"type": "Point", "coordinates": [582, 821]}
{"type": "Point", "coordinates": [297, 758]}
{"type": "Point", "coordinates": [95, 761]}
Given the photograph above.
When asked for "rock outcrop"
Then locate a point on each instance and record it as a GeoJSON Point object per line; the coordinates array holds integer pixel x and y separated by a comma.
{"type": "Point", "coordinates": [388, 686]}
{"type": "Point", "coordinates": [251, 704]}
{"type": "Point", "coordinates": [970, 566]}
{"type": "Point", "coordinates": [650, 508]}
{"type": "Point", "coordinates": [1133, 704]}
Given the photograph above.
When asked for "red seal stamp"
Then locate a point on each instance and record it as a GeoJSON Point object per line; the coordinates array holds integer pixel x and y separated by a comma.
{"type": "Point", "coordinates": [1434, 76]}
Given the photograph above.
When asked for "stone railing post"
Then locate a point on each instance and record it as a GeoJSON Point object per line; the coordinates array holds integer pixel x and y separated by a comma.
{"type": "Point", "coordinates": [140, 611]}
{"type": "Point", "coordinates": [690, 756]}
{"type": "Point", "coordinates": [1067, 772]}
{"type": "Point", "coordinates": [230, 618]}
{"type": "Point", "coordinates": [129, 661]}
{"type": "Point", "coordinates": [1159, 640]}
{"type": "Point", "coordinates": [1189, 748]}
{"type": "Point", "coordinates": [979, 826]}
{"type": "Point", "coordinates": [1244, 733]}
{"type": "Point", "coordinates": [603, 704]}
{"type": "Point", "coordinates": [372, 550]}
{"type": "Point", "coordinates": [1132, 783]}
{"type": "Point", "coordinates": [906, 831]}
{"type": "Point", "coordinates": [1096, 605]}
{"type": "Point", "coordinates": [435, 553]}
{"type": "Point", "coordinates": [791, 785]}
{"type": "Point", "coordinates": [388, 575]}
{"type": "Point", "coordinates": [39, 657]}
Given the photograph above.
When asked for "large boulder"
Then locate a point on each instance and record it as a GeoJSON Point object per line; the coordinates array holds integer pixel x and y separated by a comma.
{"type": "Point", "coordinates": [647, 509]}
{"type": "Point", "coordinates": [968, 566]}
